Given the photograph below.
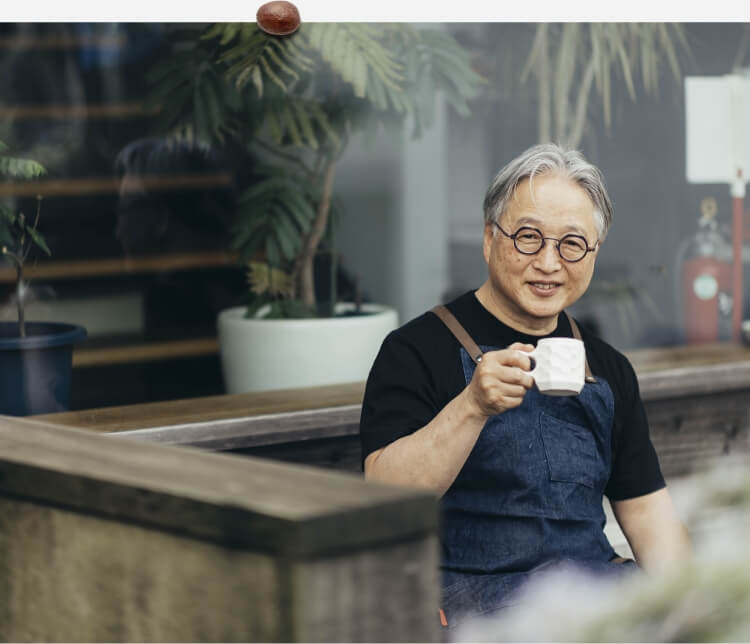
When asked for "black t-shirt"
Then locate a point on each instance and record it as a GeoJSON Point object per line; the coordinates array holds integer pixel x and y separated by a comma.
{"type": "Point", "coordinates": [418, 372]}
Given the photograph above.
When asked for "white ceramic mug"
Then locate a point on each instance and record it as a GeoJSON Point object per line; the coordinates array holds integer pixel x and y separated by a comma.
{"type": "Point", "coordinates": [560, 366]}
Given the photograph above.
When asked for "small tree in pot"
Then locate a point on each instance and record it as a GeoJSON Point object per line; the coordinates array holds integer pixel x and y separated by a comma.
{"type": "Point", "coordinates": [35, 357]}
{"type": "Point", "coordinates": [284, 108]}
{"type": "Point", "coordinates": [18, 234]}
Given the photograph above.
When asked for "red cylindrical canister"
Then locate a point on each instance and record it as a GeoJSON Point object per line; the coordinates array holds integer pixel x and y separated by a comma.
{"type": "Point", "coordinates": [703, 279]}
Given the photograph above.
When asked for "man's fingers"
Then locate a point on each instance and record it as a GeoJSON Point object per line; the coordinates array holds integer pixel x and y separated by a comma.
{"type": "Point", "coordinates": [520, 346]}
{"type": "Point", "coordinates": [516, 375]}
{"type": "Point", "coordinates": [514, 391]}
{"type": "Point", "coordinates": [503, 378]}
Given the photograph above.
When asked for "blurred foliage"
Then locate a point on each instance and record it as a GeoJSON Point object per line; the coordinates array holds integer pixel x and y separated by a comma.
{"type": "Point", "coordinates": [704, 598]}
{"type": "Point", "coordinates": [629, 299]}
{"type": "Point", "coordinates": [579, 66]}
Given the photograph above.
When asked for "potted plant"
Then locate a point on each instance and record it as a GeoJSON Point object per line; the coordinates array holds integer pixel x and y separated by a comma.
{"type": "Point", "coordinates": [35, 357]}
{"type": "Point", "coordinates": [284, 108]}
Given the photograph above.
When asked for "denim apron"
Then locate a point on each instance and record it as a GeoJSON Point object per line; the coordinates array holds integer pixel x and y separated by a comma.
{"type": "Point", "coordinates": [528, 498]}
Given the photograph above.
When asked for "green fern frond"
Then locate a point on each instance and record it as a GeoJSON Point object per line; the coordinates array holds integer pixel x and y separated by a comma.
{"type": "Point", "coordinates": [257, 78]}
{"type": "Point", "coordinates": [305, 124]}
{"type": "Point", "coordinates": [223, 30]}
{"type": "Point", "coordinates": [274, 126]}
{"type": "Point", "coordinates": [321, 118]}
{"type": "Point", "coordinates": [347, 47]}
{"type": "Point", "coordinates": [270, 73]}
{"type": "Point", "coordinates": [288, 118]}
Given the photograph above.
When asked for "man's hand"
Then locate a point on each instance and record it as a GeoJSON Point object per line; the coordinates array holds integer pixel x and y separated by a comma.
{"type": "Point", "coordinates": [432, 456]}
{"type": "Point", "coordinates": [501, 380]}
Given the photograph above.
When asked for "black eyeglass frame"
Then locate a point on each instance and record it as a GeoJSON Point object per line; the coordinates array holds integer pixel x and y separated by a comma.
{"type": "Point", "coordinates": [544, 239]}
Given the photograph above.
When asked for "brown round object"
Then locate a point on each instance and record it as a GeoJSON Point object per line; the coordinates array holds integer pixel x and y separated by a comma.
{"type": "Point", "coordinates": [278, 18]}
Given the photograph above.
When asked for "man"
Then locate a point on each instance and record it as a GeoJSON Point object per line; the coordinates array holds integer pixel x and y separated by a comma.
{"type": "Point", "coordinates": [521, 475]}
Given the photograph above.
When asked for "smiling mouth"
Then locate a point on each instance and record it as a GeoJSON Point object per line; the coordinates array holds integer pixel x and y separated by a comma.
{"type": "Point", "coordinates": [545, 286]}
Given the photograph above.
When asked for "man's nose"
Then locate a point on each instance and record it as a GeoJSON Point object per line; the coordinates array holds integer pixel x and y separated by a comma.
{"type": "Point", "coordinates": [548, 259]}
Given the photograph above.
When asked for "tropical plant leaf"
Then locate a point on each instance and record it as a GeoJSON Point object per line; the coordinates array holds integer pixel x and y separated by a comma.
{"type": "Point", "coordinates": [305, 124]}
{"type": "Point", "coordinates": [351, 47]}
{"type": "Point", "coordinates": [279, 208]}
{"type": "Point", "coordinates": [289, 119]}
{"type": "Point", "coordinates": [20, 168]}
{"type": "Point", "coordinates": [618, 44]}
{"type": "Point", "coordinates": [273, 252]}
{"type": "Point", "coordinates": [669, 49]}
{"type": "Point", "coordinates": [38, 239]}
{"type": "Point", "coordinates": [287, 236]}
{"type": "Point", "coordinates": [257, 57]}
{"type": "Point", "coordinates": [8, 238]}
{"type": "Point", "coordinates": [264, 279]}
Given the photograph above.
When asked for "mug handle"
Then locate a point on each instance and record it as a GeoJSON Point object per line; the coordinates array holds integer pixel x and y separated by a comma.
{"type": "Point", "coordinates": [533, 359]}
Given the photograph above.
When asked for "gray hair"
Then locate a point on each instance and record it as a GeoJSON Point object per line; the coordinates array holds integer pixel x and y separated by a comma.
{"type": "Point", "coordinates": [547, 158]}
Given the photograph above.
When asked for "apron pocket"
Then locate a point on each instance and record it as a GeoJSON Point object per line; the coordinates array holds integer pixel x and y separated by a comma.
{"type": "Point", "coordinates": [571, 451]}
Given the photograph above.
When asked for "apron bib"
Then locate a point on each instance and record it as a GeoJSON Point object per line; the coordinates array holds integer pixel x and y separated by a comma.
{"type": "Point", "coordinates": [528, 497]}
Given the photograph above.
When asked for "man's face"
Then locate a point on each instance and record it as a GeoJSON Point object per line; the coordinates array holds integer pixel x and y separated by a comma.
{"type": "Point", "coordinates": [528, 291]}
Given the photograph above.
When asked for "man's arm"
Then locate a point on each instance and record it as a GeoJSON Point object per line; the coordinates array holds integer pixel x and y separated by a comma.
{"type": "Point", "coordinates": [433, 455]}
{"type": "Point", "coordinates": [655, 533]}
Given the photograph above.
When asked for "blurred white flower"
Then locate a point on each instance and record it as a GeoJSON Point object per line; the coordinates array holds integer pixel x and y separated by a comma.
{"type": "Point", "coordinates": [706, 600]}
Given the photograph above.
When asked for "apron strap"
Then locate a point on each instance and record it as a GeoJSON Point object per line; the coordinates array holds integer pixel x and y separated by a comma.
{"type": "Point", "coordinates": [577, 336]}
{"type": "Point", "coordinates": [475, 353]}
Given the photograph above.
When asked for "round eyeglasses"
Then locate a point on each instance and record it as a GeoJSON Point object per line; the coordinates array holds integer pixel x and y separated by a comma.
{"type": "Point", "coordinates": [529, 241]}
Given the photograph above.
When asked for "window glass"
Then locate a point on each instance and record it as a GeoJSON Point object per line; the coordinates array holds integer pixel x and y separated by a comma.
{"type": "Point", "coordinates": [171, 151]}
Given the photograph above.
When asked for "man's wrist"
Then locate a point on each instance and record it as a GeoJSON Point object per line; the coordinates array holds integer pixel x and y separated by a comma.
{"type": "Point", "coordinates": [470, 409]}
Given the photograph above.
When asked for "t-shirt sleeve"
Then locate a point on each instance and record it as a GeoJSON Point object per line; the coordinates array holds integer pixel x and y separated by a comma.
{"type": "Point", "coordinates": [400, 395]}
{"type": "Point", "coordinates": [635, 470]}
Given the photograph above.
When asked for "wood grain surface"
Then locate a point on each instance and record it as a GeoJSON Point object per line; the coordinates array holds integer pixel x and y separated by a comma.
{"type": "Point", "coordinates": [667, 358]}
{"type": "Point", "coordinates": [274, 507]}
{"type": "Point", "coordinates": [664, 372]}
{"type": "Point", "coordinates": [194, 410]}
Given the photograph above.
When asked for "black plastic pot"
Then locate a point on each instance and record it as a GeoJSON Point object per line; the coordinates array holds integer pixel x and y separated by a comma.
{"type": "Point", "coordinates": [36, 370]}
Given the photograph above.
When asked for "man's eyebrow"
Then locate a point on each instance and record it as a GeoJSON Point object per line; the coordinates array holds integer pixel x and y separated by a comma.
{"type": "Point", "coordinates": [530, 220]}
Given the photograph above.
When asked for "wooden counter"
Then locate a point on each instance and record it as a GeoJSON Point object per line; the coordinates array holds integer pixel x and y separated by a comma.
{"type": "Point", "coordinates": [209, 408]}
{"type": "Point", "coordinates": [689, 370]}
{"type": "Point", "coordinates": [697, 399]}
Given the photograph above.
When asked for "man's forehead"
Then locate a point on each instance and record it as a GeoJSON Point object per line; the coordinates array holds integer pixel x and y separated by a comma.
{"type": "Point", "coordinates": [524, 208]}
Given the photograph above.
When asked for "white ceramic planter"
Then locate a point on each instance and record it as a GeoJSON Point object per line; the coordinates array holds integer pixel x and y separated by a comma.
{"type": "Point", "coordinates": [262, 355]}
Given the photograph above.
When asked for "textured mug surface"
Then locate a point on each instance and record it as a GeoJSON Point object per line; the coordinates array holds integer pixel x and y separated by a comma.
{"type": "Point", "coordinates": [560, 366]}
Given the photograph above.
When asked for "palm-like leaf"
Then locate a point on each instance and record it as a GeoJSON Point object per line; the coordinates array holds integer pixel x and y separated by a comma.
{"type": "Point", "coordinates": [299, 121]}
{"type": "Point", "coordinates": [254, 56]}
{"type": "Point", "coordinates": [273, 216]}
{"type": "Point", "coordinates": [191, 92]}
{"type": "Point", "coordinates": [391, 69]}
{"type": "Point", "coordinates": [599, 53]}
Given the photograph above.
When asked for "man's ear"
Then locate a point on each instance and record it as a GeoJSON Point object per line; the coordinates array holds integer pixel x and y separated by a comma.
{"type": "Point", "coordinates": [489, 230]}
